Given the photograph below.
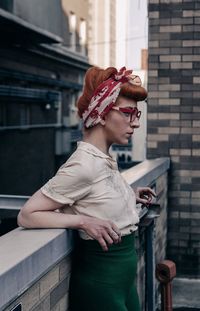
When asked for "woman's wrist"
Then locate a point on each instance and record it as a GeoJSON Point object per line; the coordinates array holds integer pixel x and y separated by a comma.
{"type": "Point", "coordinates": [80, 222]}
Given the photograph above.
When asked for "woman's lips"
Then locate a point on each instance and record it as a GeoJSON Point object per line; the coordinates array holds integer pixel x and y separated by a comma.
{"type": "Point", "coordinates": [130, 134]}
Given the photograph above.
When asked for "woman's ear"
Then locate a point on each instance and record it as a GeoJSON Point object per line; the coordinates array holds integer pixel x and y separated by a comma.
{"type": "Point", "coordinates": [103, 122]}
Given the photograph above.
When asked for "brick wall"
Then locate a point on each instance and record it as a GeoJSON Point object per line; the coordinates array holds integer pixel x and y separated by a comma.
{"type": "Point", "coordinates": [50, 293]}
{"type": "Point", "coordinates": [173, 120]}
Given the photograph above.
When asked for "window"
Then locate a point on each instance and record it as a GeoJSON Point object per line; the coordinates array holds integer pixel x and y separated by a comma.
{"type": "Point", "coordinates": [82, 36]}
{"type": "Point", "coordinates": [26, 106]}
{"type": "Point", "coordinates": [24, 114]}
{"type": "Point", "coordinates": [72, 33]}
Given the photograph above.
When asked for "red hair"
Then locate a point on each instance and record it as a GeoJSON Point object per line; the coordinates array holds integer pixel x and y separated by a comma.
{"type": "Point", "coordinates": [95, 76]}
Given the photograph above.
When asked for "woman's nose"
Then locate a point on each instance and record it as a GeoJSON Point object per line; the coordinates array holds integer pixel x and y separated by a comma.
{"type": "Point", "coordinates": [135, 123]}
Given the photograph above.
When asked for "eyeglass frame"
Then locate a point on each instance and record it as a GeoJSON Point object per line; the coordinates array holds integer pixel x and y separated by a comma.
{"type": "Point", "coordinates": [133, 112]}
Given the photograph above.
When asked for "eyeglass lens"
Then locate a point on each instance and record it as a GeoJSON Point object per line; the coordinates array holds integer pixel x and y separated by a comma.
{"type": "Point", "coordinates": [135, 114]}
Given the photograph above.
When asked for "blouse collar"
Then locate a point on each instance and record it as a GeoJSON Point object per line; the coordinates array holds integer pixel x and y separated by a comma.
{"type": "Point", "coordinates": [89, 148]}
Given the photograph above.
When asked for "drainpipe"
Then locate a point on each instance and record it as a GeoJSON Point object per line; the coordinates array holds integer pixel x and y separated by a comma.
{"type": "Point", "coordinates": [165, 272]}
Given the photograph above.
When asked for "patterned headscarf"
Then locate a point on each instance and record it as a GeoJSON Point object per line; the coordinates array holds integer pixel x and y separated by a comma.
{"type": "Point", "coordinates": [105, 96]}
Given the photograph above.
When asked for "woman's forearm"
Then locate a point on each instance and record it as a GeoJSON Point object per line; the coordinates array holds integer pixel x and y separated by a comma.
{"type": "Point", "coordinates": [49, 219]}
{"type": "Point", "coordinates": [41, 212]}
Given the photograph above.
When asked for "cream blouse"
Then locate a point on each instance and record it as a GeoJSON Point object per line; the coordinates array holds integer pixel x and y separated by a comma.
{"type": "Point", "coordinates": [90, 184]}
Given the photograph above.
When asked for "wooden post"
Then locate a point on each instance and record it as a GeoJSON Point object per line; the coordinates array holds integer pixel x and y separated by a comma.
{"type": "Point", "coordinates": [165, 272]}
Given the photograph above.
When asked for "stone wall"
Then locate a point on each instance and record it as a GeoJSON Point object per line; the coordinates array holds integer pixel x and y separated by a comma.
{"type": "Point", "coordinates": [50, 292]}
{"type": "Point", "coordinates": [173, 120]}
{"type": "Point", "coordinates": [35, 268]}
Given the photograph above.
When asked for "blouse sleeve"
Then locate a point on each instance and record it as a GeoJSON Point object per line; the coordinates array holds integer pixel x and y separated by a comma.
{"type": "Point", "coordinates": [71, 183]}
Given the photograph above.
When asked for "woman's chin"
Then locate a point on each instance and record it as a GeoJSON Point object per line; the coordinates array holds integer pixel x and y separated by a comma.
{"type": "Point", "coordinates": [123, 141]}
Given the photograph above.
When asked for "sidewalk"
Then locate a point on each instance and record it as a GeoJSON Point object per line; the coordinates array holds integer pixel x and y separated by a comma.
{"type": "Point", "coordinates": [186, 294]}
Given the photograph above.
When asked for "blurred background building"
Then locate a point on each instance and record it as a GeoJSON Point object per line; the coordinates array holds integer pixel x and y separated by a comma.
{"type": "Point", "coordinates": [43, 60]}
{"type": "Point", "coordinates": [117, 36]}
{"type": "Point", "coordinates": [45, 49]}
{"type": "Point", "coordinates": [102, 32]}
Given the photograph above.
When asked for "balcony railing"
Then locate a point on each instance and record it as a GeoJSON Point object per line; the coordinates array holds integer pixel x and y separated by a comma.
{"type": "Point", "coordinates": [35, 264]}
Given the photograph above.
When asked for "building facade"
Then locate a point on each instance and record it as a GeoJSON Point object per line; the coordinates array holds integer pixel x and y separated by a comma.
{"type": "Point", "coordinates": [131, 43]}
{"type": "Point", "coordinates": [173, 120]}
{"type": "Point", "coordinates": [102, 33]}
{"type": "Point", "coordinates": [43, 52]}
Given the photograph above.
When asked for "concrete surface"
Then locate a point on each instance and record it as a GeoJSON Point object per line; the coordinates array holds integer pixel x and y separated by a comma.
{"type": "Point", "coordinates": [186, 294]}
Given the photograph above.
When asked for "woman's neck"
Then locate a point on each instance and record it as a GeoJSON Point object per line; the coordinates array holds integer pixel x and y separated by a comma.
{"type": "Point", "coordinates": [96, 137]}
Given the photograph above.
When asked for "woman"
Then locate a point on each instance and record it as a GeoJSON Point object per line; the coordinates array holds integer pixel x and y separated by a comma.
{"type": "Point", "coordinates": [93, 197]}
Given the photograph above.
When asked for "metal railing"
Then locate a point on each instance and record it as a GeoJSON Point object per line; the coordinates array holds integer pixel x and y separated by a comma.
{"type": "Point", "coordinates": [146, 233]}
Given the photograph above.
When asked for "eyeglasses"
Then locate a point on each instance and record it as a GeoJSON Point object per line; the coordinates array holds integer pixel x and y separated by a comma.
{"type": "Point", "coordinates": [129, 113]}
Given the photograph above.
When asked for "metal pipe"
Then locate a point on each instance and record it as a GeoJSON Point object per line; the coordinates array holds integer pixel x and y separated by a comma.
{"type": "Point", "coordinates": [165, 272]}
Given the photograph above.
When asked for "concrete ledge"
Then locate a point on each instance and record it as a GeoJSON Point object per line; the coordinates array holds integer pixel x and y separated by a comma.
{"type": "Point", "coordinates": [26, 255]}
{"type": "Point", "coordinates": [146, 172]}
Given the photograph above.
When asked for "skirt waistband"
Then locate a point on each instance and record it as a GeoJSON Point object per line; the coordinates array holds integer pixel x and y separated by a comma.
{"type": "Point", "coordinates": [127, 242]}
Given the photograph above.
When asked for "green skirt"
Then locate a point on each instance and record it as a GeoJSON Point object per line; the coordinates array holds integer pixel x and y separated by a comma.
{"type": "Point", "coordinates": [104, 280]}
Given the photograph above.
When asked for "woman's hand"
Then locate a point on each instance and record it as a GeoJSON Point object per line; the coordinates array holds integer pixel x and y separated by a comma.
{"type": "Point", "coordinates": [144, 195]}
{"type": "Point", "coordinates": [104, 231]}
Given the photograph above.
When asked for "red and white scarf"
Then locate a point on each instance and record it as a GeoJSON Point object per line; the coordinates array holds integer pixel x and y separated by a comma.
{"type": "Point", "coordinates": [105, 96]}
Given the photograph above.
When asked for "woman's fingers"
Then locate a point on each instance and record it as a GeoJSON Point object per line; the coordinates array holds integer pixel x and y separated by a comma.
{"type": "Point", "coordinates": [145, 195]}
{"type": "Point", "coordinates": [147, 198]}
{"type": "Point", "coordinates": [116, 232]}
{"type": "Point", "coordinates": [116, 238]}
{"type": "Point", "coordinates": [145, 189]}
{"type": "Point", "coordinates": [109, 236]}
{"type": "Point", "coordinates": [108, 239]}
{"type": "Point", "coordinates": [143, 201]}
{"type": "Point", "coordinates": [103, 243]}
{"type": "Point", "coordinates": [104, 231]}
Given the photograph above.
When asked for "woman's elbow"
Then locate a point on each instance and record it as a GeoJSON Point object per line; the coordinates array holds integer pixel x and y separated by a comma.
{"type": "Point", "coordinates": [19, 219]}
{"type": "Point", "coordinates": [23, 219]}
